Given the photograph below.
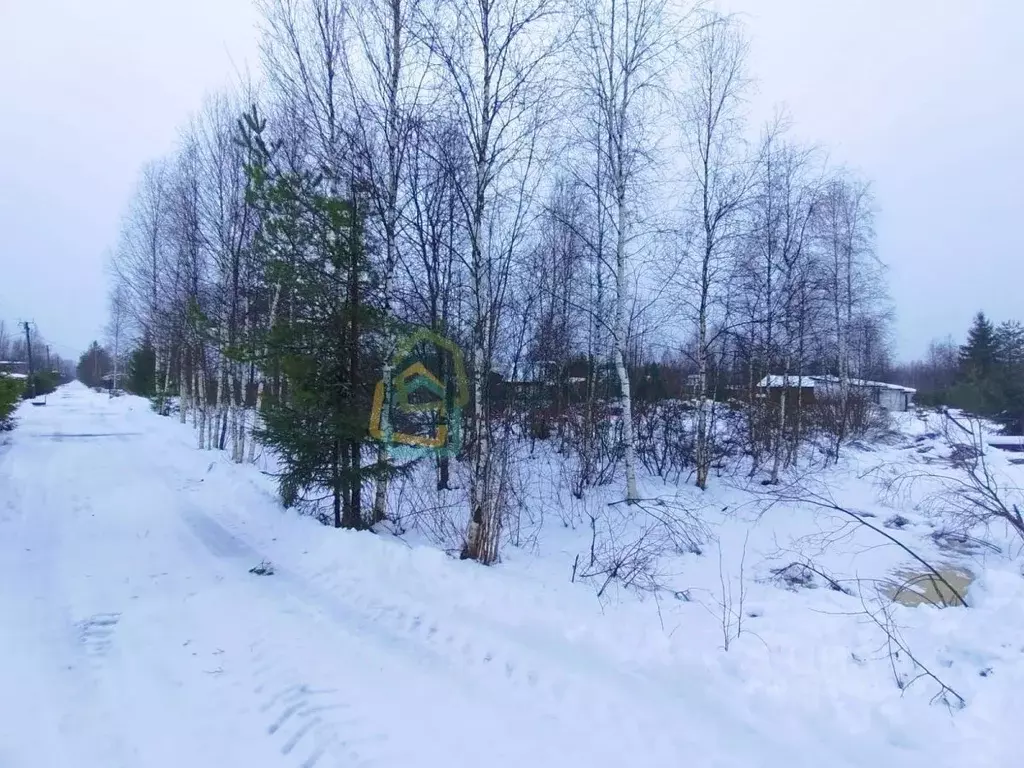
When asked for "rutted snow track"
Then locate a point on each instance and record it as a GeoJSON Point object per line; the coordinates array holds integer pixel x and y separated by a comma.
{"type": "Point", "coordinates": [146, 641]}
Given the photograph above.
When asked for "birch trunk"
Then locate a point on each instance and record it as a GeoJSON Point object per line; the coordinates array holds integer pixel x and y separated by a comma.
{"type": "Point", "coordinates": [160, 363]}
{"type": "Point", "coordinates": [183, 389]}
{"type": "Point", "coordinates": [200, 411]}
{"type": "Point", "coordinates": [262, 383]}
{"type": "Point", "coordinates": [393, 48]}
{"type": "Point", "coordinates": [626, 398]}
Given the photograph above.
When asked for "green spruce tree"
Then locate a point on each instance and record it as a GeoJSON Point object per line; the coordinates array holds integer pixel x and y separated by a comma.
{"type": "Point", "coordinates": [979, 356]}
{"type": "Point", "coordinates": [141, 379]}
{"type": "Point", "coordinates": [316, 417]}
{"type": "Point", "coordinates": [1010, 347]}
{"type": "Point", "coordinates": [981, 382]}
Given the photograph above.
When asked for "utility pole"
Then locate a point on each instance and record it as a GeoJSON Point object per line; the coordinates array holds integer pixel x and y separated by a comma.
{"type": "Point", "coordinates": [117, 351]}
{"type": "Point", "coordinates": [28, 342]}
{"type": "Point", "coordinates": [48, 370]}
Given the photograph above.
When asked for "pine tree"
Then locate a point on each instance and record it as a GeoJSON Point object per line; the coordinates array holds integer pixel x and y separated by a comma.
{"type": "Point", "coordinates": [979, 356]}
{"type": "Point", "coordinates": [317, 418]}
{"type": "Point", "coordinates": [981, 385]}
{"type": "Point", "coordinates": [141, 378]}
{"type": "Point", "coordinates": [1010, 347]}
{"type": "Point", "coordinates": [1009, 339]}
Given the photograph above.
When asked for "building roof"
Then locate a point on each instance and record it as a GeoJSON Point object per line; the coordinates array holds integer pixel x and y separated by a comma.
{"type": "Point", "coordinates": [866, 383]}
{"type": "Point", "coordinates": [775, 380]}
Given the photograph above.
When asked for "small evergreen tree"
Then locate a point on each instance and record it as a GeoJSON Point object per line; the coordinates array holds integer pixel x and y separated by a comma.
{"type": "Point", "coordinates": [317, 418]}
{"type": "Point", "coordinates": [141, 379]}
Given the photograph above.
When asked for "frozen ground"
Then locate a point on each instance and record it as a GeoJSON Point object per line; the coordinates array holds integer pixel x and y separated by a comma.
{"type": "Point", "coordinates": [132, 633]}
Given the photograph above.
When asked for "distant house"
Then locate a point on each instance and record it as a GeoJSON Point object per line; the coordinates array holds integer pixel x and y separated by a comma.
{"type": "Point", "coordinates": [891, 397]}
{"type": "Point", "coordinates": [797, 388]}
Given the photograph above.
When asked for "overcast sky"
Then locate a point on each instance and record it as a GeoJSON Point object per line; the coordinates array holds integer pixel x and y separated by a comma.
{"type": "Point", "coordinates": [924, 97]}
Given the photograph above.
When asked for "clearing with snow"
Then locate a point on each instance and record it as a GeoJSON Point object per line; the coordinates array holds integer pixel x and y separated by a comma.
{"type": "Point", "coordinates": [159, 608]}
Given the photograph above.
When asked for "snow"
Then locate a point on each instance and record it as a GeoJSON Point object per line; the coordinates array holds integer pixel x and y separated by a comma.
{"type": "Point", "coordinates": [866, 383]}
{"type": "Point", "coordinates": [14, 375]}
{"type": "Point", "coordinates": [133, 633]}
{"type": "Point", "coordinates": [808, 382]}
{"type": "Point", "coordinates": [778, 380]}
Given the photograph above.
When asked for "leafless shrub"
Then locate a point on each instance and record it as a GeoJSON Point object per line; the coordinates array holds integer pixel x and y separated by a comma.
{"type": "Point", "coordinates": [761, 421]}
{"type": "Point", "coordinates": [630, 543]}
{"type": "Point", "coordinates": [730, 611]}
{"type": "Point", "coordinates": [974, 495]}
{"type": "Point", "coordinates": [841, 419]}
{"type": "Point", "coordinates": [517, 520]}
{"type": "Point", "coordinates": [594, 448]}
{"type": "Point", "coordinates": [417, 505]}
{"type": "Point", "coordinates": [664, 445]}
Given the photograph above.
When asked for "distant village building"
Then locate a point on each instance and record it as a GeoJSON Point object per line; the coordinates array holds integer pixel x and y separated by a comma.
{"type": "Point", "coordinates": [892, 397]}
{"type": "Point", "coordinates": [14, 367]}
{"type": "Point", "coordinates": [797, 388]}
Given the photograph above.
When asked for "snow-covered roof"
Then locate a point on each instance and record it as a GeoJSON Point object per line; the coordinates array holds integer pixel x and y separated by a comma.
{"type": "Point", "coordinates": [775, 380]}
{"type": "Point", "coordinates": [778, 380]}
{"type": "Point", "coordinates": [866, 383]}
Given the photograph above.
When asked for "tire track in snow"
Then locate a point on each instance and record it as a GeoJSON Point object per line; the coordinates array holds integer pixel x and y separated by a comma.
{"type": "Point", "coordinates": [96, 635]}
{"type": "Point", "coordinates": [616, 712]}
{"type": "Point", "coordinates": [310, 725]}
{"type": "Point", "coordinates": [538, 682]}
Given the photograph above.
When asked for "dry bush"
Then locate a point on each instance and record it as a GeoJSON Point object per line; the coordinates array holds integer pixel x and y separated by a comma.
{"type": "Point", "coordinates": [593, 447]}
{"type": "Point", "coordinates": [974, 495]}
{"type": "Point", "coordinates": [417, 505]}
{"type": "Point", "coordinates": [630, 543]}
{"type": "Point", "coordinates": [664, 442]}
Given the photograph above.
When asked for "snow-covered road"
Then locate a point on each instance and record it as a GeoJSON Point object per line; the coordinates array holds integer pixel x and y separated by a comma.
{"type": "Point", "coordinates": [132, 634]}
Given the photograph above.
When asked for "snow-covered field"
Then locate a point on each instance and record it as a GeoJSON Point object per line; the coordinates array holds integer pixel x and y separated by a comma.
{"type": "Point", "coordinates": [133, 634]}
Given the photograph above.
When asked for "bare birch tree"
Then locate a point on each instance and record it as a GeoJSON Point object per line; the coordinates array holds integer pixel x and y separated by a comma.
{"type": "Point", "coordinates": [493, 56]}
{"type": "Point", "coordinates": [846, 237]}
{"type": "Point", "coordinates": [623, 50]}
{"type": "Point", "coordinates": [712, 128]}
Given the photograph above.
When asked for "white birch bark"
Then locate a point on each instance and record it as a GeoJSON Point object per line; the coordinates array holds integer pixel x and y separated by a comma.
{"type": "Point", "coordinates": [261, 385]}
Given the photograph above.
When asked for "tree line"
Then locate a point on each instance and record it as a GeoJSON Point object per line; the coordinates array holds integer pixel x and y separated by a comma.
{"type": "Point", "coordinates": [570, 190]}
{"type": "Point", "coordinates": [984, 376]}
